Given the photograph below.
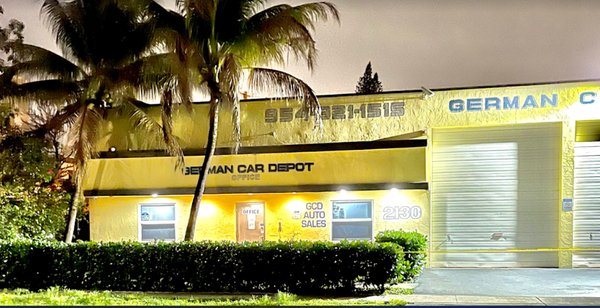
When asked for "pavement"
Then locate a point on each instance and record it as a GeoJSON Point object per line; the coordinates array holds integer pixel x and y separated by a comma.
{"type": "Point", "coordinates": [542, 282]}
{"type": "Point", "coordinates": [473, 300]}
{"type": "Point", "coordinates": [519, 287]}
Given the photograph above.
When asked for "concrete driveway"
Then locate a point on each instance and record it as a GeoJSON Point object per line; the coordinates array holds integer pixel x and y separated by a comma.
{"type": "Point", "coordinates": [510, 282]}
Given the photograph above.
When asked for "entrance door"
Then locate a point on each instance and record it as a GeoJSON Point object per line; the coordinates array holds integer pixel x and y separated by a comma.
{"type": "Point", "coordinates": [250, 221]}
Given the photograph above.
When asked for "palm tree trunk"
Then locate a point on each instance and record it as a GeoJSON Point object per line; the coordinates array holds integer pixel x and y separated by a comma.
{"type": "Point", "coordinates": [75, 203]}
{"type": "Point", "coordinates": [211, 144]}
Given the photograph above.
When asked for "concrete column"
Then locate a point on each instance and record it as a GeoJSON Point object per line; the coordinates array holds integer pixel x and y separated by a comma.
{"type": "Point", "coordinates": [565, 258]}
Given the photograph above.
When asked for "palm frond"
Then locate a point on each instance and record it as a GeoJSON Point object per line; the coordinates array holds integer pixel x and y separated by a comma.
{"type": "Point", "coordinates": [155, 134]}
{"type": "Point", "coordinates": [51, 90]}
{"type": "Point", "coordinates": [39, 117]}
{"type": "Point", "coordinates": [169, 27]}
{"type": "Point", "coordinates": [310, 13]}
{"type": "Point", "coordinates": [272, 34]}
{"type": "Point", "coordinates": [68, 37]}
{"type": "Point", "coordinates": [62, 119]}
{"type": "Point", "coordinates": [100, 34]}
{"type": "Point", "coordinates": [168, 71]}
{"type": "Point", "coordinates": [285, 85]}
{"type": "Point", "coordinates": [183, 69]}
{"type": "Point", "coordinates": [200, 8]}
{"type": "Point", "coordinates": [231, 15]}
{"type": "Point", "coordinates": [171, 143]}
{"type": "Point", "coordinates": [39, 63]}
{"type": "Point", "coordinates": [199, 18]}
{"type": "Point", "coordinates": [252, 7]}
{"type": "Point", "coordinates": [231, 72]}
{"type": "Point", "coordinates": [148, 75]}
{"type": "Point", "coordinates": [152, 73]}
{"type": "Point", "coordinates": [84, 133]}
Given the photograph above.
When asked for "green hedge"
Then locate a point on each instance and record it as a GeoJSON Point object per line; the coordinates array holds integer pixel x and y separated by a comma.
{"type": "Point", "coordinates": [414, 246]}
{"type": "Point", "coordinates": [298, 267]}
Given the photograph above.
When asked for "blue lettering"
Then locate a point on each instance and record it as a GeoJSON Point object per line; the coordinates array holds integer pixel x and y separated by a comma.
{"type": "Point", "coordinates": [512, 102]}
{"type": "Point", "coordinates": [492, 102]}
{"type": "Point", "coordinates": [508, 104]}
{"type": "Point", "coordinates": [546, 100]}
{"type": "Point", "coordinates": [456, 105]}
{"type": "Point", "coordinates": [587, 97]}
{"type": "Point", "coordinates": [473, 104]}
{"type": "Point", "coordinates": [529, 102]}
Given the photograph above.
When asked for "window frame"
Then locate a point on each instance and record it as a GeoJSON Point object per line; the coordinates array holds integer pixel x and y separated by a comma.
{"type": "Point", "coordinates": [141, 223]}
{"type": "Point", "coordinates": [334, 220]}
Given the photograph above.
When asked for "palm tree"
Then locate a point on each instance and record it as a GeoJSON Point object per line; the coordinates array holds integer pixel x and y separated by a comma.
{"type": "Point", "coordinates": [219, 40]}
{"type": "Point", "coordinates": [105, 44]}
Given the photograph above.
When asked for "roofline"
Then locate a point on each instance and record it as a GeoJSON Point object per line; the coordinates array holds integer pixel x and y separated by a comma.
{"type": "Point", "coordinates": [144, 104]}
{"type": "Point", "coordinates": [256, 189]}
{"type": "Point", "coordinates": [518, 84]}
{"type": "Point", "coordinates": [317, 147]}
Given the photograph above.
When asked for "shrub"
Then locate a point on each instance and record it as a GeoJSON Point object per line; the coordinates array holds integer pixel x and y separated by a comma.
{"type": "Point", "coordinates": [299, 267]}
{"type": "Point", "coordinates": [32, 206]}
{"type": "Point", "coordinates": [32, 212]}
{"type": "Point", "coordinates": [414, 246]}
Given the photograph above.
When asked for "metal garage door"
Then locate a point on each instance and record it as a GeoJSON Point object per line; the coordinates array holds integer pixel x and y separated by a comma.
{"type": "Point", "coordinates": [586, 209]}
{"type": "Point", "coordinates": [495, 188]}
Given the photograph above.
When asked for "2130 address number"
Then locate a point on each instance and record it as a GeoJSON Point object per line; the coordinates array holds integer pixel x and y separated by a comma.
{"type": "Point", "coordinates": [401, 212]}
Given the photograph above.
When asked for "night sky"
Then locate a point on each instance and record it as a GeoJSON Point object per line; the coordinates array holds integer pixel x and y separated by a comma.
{"type": "Point", "coordinates": [437, 44]}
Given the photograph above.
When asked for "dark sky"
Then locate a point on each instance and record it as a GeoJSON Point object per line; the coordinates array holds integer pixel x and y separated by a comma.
{"type": "Point", "coordinates": [433, 43]}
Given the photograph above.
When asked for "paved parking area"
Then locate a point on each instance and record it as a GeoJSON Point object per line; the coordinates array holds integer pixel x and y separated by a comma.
{"type": "Point", "coordinates": [472, 300]}
{"type": "Point", "coordinates": [538, 282]}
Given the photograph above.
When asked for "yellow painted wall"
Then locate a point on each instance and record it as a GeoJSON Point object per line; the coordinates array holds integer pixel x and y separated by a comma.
{"type": "Point", "coordinates": [417, 114]}
{"type": "Point", "coordinates": [117, 218]}
{"type": "Point", "coordinates": [575, 102]}
{"type": "Point", "coordinates": [330, 167]}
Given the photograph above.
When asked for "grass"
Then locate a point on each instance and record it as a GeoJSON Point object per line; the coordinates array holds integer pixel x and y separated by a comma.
{"type": "Point", "coordinates": [398, 290]}
{"type": "Point", "coordinates": [64, 297]}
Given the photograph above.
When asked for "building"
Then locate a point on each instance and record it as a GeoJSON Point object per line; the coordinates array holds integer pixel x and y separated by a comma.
{"type": "Point", "coordinates": [504, 176]}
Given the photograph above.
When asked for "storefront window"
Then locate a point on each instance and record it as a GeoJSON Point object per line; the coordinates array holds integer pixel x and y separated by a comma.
{"type": "Point", "coordinates": [352, 220]}
{"type": "Point", "coordinates": [157, 222]}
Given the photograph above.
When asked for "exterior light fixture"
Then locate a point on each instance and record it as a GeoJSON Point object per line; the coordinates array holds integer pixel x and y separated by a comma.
{"type": "Point", "coordinates": [112, 149]}
{"type": "Point", "coordinates": [427, 93]}
{"type": "Point", "coordinates": [154, 195]}
{"type": "Point", "coordinates": [424, 95]}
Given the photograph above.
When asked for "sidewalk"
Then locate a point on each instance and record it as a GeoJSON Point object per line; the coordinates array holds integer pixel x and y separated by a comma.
{"type": "Point", "coordinates": [582, 292]}
{"type": "Point", "coordinates": [443, 300]}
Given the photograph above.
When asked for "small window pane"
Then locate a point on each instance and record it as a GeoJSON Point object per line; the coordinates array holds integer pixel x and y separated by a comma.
{"type": "Point", "coordinates": [355, 230]}
{"type": "Point", "coordinates": [343, 210]}
{"type": "Point", "coordinates": [157, 213]}
{"type": "Point", "coordinates": [158, 232]}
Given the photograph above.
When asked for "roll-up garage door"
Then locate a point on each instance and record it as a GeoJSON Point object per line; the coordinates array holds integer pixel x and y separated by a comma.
{"type": "Point", "coordinates": [586, 208]}
{"type": "Point", "coordinates": [495, 196]}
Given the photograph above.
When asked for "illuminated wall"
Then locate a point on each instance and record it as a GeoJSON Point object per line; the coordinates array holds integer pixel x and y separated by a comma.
{"type": "Point", "coordinates": [371, 117]}
{"type": "Point", "coordinates": [390, 165]}
{"type": "Point", "coordinates": [117, 218]}
{"type": "Point", "coordinates": [367, 118]}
